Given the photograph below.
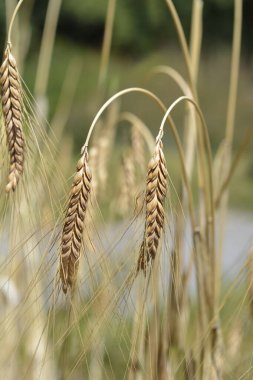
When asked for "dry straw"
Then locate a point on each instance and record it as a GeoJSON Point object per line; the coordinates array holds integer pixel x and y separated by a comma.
{"type": "Point", "coordinates": [155, 197]}
{"type": "Point", "coordinates": [72, 235]}
{"type": "Point", "coordinates": [12, 111]}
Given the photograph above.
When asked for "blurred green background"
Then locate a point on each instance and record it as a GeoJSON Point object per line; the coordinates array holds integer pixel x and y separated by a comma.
{"type": "Point", "coordinates": [143, 37]}
{"type": "Point", "coordinates": [139, 25]}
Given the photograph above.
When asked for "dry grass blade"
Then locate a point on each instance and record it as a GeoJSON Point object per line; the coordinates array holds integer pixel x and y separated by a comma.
{"type": "Point", "coordinates": [74, 224]}
{"type": "Point", "coordinates": [155, 197]}
{"type": "Point", "coordinates": [12, 112]}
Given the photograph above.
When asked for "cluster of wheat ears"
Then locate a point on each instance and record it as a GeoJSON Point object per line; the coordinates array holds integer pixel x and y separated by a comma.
{"type": "Point", "coordinates": [114, 312]}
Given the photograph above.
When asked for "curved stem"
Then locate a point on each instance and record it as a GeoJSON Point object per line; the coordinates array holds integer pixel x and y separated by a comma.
{"type": "Point", "coordinates": [209, 190]}
{"type": "Point", "coordinates": [190, 121]}
{"type": "Point", "coordinates": [244, 144]}
{"type": "Point", "coordinates": [113, 98]}
{"type": "Point", "coordinates": [12, 21]}
{"type": "Point", "coordinates": [176, 76]}
{"type": "Point", "coordinates": [184, 170]}
{"type": "Point", "coordinates": [173, 130]}
{"type": "Point", "coordinates": [203, 130]}
{"type": "Point", "coordinates": [202, 125]}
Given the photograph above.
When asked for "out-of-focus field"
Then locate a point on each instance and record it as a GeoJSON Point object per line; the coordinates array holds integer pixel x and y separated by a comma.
{"type": "Point", "coordinates": [126, 71]}
{"type": "Point", "coordinates": [126, 249]}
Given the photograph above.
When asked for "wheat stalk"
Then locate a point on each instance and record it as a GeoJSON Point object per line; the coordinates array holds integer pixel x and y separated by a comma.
{"type": "Point", "coordinates": [72, 234]}
{"type": "Point", "coordinates": [155, 197]}
{"type": "Point", "coordinates": [12, 112]}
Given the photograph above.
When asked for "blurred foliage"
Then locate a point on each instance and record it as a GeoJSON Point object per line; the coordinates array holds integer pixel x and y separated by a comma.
{"type": "Point", "coordinates": [142, 24]}
{"type": "Point", "coordinates": [139, 25]}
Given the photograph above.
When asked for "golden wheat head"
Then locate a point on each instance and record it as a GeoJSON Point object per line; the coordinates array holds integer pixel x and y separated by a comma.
{"type": "Point", "coordinates": [72, 234]}
{"type": "Point", "coordinates": [12, 113]}
{"type": "Point", "coordinates": [155, 196]}
{"type": "Point", "coordinates": [138, 148]}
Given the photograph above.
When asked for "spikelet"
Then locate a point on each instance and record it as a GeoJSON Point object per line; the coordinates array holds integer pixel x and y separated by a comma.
{"type": "Point", "coordinates": [12, 113]}
{"type": "Point", "coordinates": [155, 197]}
{"type": "Point", "coordinates": [72, 234]}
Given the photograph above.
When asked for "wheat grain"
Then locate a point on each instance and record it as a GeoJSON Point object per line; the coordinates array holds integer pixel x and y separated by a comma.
{"type": "Point", "coordinates": [72, 234]}
{"type": "Point", "coordinates": [155, 197]}
{"type": "Point", "coordinates": [12, 112]}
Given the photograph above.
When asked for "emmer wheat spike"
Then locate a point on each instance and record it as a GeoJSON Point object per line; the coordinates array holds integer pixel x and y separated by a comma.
{"type": "Point", "coordinates": [72, 234]}
{"type": "Point", "coordinates": [138, 148]}
{"type": "Point", "coordinates": [155, 197]}
{"type": "Point", "coordinates": [127, 183]}
{"type": "Point", "coordinates": [12, 112]}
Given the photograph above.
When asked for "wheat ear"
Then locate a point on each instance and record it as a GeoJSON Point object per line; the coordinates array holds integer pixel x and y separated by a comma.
{"type": "Point", "coordinates": [128, 181]}
{"type": "Point", "coordinates": [12, 112]}
{"type": "Point", "coordinates": [138, 148]}
{"type": "Point", "coordinates": [72, 234]}
{"type": "Point", "coordinates": [155, 196]}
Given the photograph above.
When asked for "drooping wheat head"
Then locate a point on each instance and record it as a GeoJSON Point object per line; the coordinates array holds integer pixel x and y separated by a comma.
{"type": "Point", "coordinates": [72, 235]}
{"type": "Point", "coordinates": [155, 196]}
{"type": "Point", "coordinates": [12, 112]}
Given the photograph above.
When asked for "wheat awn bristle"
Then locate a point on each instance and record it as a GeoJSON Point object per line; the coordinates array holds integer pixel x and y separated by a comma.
{"type": "Point", "coordinates": [12, 112]}
{"type": "Point", "coordinates": [155, 196]}
{"type": "Point", "coordinates": [72, 235]}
